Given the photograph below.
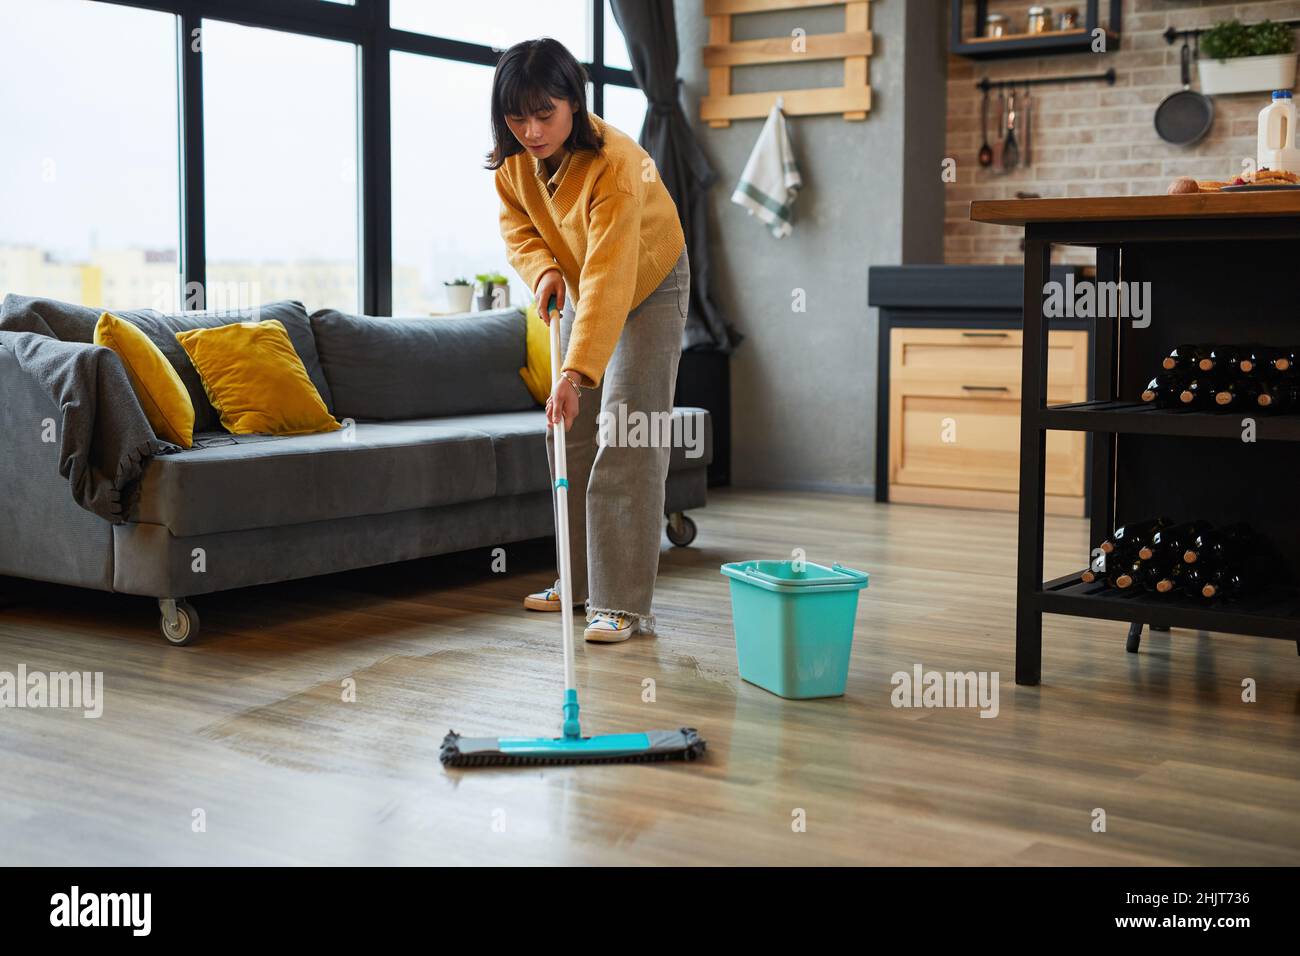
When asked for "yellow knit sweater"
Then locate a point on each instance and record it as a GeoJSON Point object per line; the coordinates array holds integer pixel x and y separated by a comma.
{"type": "Point", "coordinates": [611, 228]}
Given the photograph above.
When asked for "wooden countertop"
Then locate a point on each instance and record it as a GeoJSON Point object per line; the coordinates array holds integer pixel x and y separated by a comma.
{"type": "Point", "coordinates": [1018, 212]}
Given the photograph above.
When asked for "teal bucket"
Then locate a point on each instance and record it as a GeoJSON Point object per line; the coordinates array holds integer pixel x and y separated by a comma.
{"type": "Point", "coordinates": [794, 629]}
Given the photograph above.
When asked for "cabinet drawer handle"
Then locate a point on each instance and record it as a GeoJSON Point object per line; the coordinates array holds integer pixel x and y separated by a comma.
{"type": "Point", "coordinates": [986, 388]}
{"type": "Point", "coordinates": [984, 335]}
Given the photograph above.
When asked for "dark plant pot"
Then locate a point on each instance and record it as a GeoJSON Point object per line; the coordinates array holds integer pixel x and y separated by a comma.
{"type": "Point", "coordinates": [488, 294]}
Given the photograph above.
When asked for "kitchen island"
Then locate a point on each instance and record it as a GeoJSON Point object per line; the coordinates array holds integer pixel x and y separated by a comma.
{"type": "Point", "coordinates": [1205, 268]}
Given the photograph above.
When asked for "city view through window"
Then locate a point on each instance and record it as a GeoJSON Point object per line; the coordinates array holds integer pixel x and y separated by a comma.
{"type": "Point", "coordinates": [92, 211]}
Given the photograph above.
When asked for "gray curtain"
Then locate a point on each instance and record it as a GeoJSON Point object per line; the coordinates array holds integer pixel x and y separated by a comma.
{"type": "Point", "coordinates": [650, 29]}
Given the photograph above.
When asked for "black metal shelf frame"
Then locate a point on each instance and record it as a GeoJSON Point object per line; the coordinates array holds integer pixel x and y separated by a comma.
{"type": "Point", "coordinates": [1140, 418]}
{"type": "Point", "coordinates": [1033, 45]}
{"type": "Point", "coordinates": [1108, 78]}
{"type": "Point", "coordinates": [1277, 615]}
{"type": "Point", "coordinates": [366, 24]}
{"type": "Point", "coordinates": [1107, 418]}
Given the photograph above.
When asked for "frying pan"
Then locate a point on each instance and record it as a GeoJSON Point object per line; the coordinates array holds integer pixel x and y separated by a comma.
{"type": "Point", "coordinates": [1183, 118]}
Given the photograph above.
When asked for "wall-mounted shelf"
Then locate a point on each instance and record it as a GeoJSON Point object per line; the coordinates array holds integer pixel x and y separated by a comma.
{"type": "Point", "coordinates": [1077, 40]}
{"type": "Point", "coordinates": [854, 46]}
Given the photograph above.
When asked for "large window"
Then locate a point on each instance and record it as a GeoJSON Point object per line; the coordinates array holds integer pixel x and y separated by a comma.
{"type": "Point", "coordinates": [250, 150]}
{"type": "Point", "coordinates": [615, 44]}
{"type": "Point", "coordinates": [499, 23]}
{"type": "Point", "coordinates": [280, 155]}
{"type": "Point", "coordinates": [89, 174]}
{"type": "Point", "coordinates": [445, 206]}
{"type": "Point", "coordinates": [625, 109]}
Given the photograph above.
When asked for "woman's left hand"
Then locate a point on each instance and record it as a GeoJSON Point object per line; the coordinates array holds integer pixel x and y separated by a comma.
{"type": "Point", "coordinates": [563, 403]}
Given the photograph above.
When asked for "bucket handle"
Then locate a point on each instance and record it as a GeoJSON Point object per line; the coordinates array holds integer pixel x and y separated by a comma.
{"type": "Point", "coordinates": [849, 573]}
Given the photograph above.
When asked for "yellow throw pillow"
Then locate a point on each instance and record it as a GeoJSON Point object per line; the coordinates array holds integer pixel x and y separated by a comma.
{"type": "Point", "coordinates": [256, 381]}
{"type": "Point", "coordinates": [160, 390]}
{"type": "Point", "coordinates": [537, 375]}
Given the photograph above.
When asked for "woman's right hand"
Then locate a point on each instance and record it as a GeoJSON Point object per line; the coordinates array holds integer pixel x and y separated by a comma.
{"type": "Point", "coordinates": [551, 284]}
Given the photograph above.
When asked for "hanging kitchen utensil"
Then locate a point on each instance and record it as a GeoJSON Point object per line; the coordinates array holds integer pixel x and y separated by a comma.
{"type": "Point", "coordinates": [1025, 132]}
{"type": "Point", "coordinates": [986, 151]}
{"type": "Point", "coordinates": [999, 133]}
{"type": "Point", "coordinates": [1185, 117]}
{"type": "Point", "coordinates": [1010, 149]}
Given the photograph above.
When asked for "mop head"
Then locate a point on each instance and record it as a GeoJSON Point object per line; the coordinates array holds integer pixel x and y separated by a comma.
{"type": "Point", "coordinates": [683, 744]}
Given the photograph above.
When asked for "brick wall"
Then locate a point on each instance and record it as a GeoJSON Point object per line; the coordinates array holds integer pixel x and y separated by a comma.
{"type": "Point", "coordinates": [1090, 139]}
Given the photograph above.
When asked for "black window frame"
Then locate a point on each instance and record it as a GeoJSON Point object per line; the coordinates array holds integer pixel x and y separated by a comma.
{"type": "Point", "coordinates": [365, 24]}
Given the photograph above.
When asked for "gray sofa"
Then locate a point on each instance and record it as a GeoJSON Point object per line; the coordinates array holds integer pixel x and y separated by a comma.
{"type": "Point", "coordinates": [443, 450]}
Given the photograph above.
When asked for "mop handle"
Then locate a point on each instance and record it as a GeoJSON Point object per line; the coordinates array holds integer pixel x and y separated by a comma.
{"type": "Point", "coordinates": [562, 514]}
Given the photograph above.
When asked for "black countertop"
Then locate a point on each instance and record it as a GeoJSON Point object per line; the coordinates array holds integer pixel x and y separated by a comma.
{"type": "Point", "coordinates": [957, 287]}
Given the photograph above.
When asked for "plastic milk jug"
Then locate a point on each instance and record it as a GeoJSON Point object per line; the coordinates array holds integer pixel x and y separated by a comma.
{"type": "Point", "coordinates": [1277, 134]}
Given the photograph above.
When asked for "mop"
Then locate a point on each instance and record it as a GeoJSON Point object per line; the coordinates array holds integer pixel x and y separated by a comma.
{"type": "Point", "coordinates": [572, 747]}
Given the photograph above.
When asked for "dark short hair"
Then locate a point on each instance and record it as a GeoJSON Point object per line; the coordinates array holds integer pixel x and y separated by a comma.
{"type": "Point", "coordinates": [527, 76]}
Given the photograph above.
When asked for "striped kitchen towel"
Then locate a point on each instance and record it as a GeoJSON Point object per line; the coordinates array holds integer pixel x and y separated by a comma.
{"type": "Point", "coordinates": [771, 180]}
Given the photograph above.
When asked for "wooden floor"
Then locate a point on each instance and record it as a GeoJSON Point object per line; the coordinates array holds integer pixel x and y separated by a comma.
{"type": "Point", "coordinates": [248, 725]}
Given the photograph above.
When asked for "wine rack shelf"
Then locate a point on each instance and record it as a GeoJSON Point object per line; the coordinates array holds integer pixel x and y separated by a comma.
{"type": "Point", "coordinates": [1141, 418]}
{"type": "Point", "coordinates": [1214, 275]}
{"type": "Point", "coordinates": [1274, 613]}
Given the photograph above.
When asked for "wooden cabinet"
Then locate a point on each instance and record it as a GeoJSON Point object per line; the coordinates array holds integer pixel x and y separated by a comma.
{"type": "Point", "coordinates": [954, 418]}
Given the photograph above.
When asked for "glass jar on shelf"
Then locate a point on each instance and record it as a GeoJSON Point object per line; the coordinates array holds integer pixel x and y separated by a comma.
{"type": "Point", "coordinates": [1040, 20]}
{"type": "Point", "coordinates": [997, 25]}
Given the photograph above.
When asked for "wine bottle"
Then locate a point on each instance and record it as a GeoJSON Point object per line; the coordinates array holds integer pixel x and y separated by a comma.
{"type": "Point", "coordinates": [1282, 394]}
{"type": "Point", "coordinates": [1198, 393]}
{"type": "Point", "coordinates": [1123, 574]}
{"type": "Point", "coordinates": [1164, 390]}
{"type": "Point", "coordinates": [1127, 540]}
{"type": "Point", "coordinates": [1096, 569]}
{"type": "Point", "coordinates": [1249, 361]}
{"type": "Point", "coordinates": [1167, 575]}
{"type": "Point", "coordinates": [1185, 357]}
{"type": "Point", "coordinates": [1193, 581]}
{"type": "Point", "coordinates": [1171, 543]}
{"type": "Point", "coordinates": [1218, 546]}
{"type": "Point", "coordinates": [1222, 360]}
{"type": "Point", "coordinates": [1223, 583]}
{"type": "Point", "coordinates": [1283, 359]}
{"type": "Point", "coordinates": [1236, 393]}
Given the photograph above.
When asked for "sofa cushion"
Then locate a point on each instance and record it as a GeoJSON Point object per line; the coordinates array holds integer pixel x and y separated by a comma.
{"type": "Point", "coordinates": [519, 444]}
{"type": "Point", "coordinates": [391, 368]}
{"type": "Point", "coordinates": [256, 381]}
{"type": "Point", "coordinates": [76, 323]}
{"type": "Point", "coordinates": [235, 482]}
{"type": "Point", "coordinates": [163, 328]}
{"type": "Point", "coordinates": [157, 385]}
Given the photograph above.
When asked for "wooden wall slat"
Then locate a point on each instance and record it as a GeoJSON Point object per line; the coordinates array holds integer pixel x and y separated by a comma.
{"type": "Point", "coordinates": [855, 46]}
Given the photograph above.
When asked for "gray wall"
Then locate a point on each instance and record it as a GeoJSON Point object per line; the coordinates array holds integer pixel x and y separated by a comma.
{"type": "Point", "coordinates": [803, 384]}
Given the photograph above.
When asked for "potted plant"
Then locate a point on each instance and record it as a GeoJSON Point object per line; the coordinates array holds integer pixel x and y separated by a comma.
{"type": "Point", "coordinates": [493, 291]}
{"type": "Point", "coordinates": [1237, 58]}
{"type": "Point", "coordinates": [459, 294]}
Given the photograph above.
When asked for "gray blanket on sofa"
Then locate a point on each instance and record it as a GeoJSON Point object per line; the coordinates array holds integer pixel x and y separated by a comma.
{"type": "Point", "coordinates": [103, 435]}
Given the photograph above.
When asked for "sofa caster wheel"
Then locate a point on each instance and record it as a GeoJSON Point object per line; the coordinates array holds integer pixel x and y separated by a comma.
{"type": "Point", "coordinates": [179, 622]}
{"type": "Point", "coordinates": [681, 529]}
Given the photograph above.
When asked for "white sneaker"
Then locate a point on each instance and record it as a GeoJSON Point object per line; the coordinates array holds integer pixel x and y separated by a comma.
{"type": "Point", "coordinates": [547, 599]}
{"type": "Point", "coordinates": [609, 628]}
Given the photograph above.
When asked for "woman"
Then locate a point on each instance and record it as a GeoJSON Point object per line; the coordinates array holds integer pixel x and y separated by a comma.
{"type": "Point", "coordinates": [586, 220]}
